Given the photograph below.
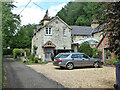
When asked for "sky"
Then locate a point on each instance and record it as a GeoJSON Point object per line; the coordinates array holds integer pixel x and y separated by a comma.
{"type": "Point", "coordinates": [36, 9]}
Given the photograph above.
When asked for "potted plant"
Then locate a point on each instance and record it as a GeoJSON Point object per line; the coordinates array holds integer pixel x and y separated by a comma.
{"type": "Point", "coordinates": [36, 59]}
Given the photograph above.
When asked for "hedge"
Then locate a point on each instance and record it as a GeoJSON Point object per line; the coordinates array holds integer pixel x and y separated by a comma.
{"type": "Point", "coordinates": [7, 51]}
{"type": "Point", "coordinates": [17, 52]}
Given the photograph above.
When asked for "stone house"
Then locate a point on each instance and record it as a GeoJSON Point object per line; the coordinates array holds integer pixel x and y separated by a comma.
{"type": "Point", "coordinates": [56, 36]}
{"type": "Point", "coordinates": [51, 38]}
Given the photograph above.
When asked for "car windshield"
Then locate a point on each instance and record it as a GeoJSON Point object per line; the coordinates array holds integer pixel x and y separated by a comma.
{"type": "Point", "coordinates": [62, 55]}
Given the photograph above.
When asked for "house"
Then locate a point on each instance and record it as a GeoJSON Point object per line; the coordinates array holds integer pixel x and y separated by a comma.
{"type": "Point", "coordinates": [51, 38]}
{"type": "Point", "coordinates": [104, 47]}
{"type": "Point", "coordinates": [56, 36]}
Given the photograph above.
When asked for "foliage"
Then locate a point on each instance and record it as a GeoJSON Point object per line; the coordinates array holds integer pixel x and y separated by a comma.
{"type": "Point", "coordinates": [34, 49]}
{"type": "Point", "coordinates": [112, 61]}
{"type": "Point", "coordinates": [96, 53]}
{"type": "Point", "coordinates": [17, 52]}
{"type": "Point", "coordinates": [80, 13]}
{"type": "Point", "coordinates": [27, 51]}
{"type": "Point", "coordinates": [112, 26]}
{"type": "Point", "coordinates": [85, 48]}
{"type": "Point", "coordinates": [23, 38]}
{"type": "Point", "coordinates": [10, 24]}
{"type": "Point", "coordinates": [7, 51]}
{"type": "Point", "coordinates": [108, 53]}
{"type": "Point", "coordinates": [31, 57]}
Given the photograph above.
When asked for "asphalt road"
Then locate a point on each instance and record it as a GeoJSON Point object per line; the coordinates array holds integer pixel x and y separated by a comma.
{"type": "Point", "coordinates": [20, 76]}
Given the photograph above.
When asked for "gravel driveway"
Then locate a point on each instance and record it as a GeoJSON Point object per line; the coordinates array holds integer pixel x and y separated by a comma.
{"type": "Point", "coordinates": [87, 77]}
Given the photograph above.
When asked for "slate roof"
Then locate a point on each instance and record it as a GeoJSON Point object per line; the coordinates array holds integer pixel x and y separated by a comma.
{"type": "Point", "coordinates": [81, 30]}
{"type": "Point", "coordinates": [98, 29]}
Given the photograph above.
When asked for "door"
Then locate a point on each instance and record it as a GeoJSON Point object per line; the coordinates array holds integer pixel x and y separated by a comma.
{"type": "Point", "coordinates": [76, 59]}
{"type": "Point", "coordinates": [48, 54]}
{"type": "Point", "coordinates": [86, 60]}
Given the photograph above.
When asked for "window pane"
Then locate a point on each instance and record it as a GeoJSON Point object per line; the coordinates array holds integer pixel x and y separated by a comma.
{"type": "Point", "coordinates": [84, 56]}
{"type": "Point", "coordinates": [75, 56]}
{"type": "Point", "coordinates": [64, 55]}
{"type": "Point", "coordinates": [64, 32]}
{"type": "Point", "coordinates": [46, 30]}
{"type": "Point", "coordinates": [49, 30]}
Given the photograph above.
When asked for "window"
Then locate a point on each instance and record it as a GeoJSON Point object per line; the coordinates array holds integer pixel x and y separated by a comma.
{"type": "Point", "coordinates": [84, 56]}
{"type": "Point", "coordinates": [64, 55]}
{"type": "Point", "coordinates": [75, 56]}
{"type": "Point", "coordinates": [64, 32]}
{"type": "Point", "coordinates": [48, 31]}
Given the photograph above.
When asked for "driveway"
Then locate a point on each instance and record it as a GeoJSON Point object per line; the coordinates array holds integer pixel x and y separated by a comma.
{"type": "Point", "coordinates": [87, 77]}
{"type": "Point", "coordinates": [20, 76]}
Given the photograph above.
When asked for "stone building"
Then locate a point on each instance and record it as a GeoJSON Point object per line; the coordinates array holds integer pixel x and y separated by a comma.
{"type": "Point", "coordinates": [51, 38]}
{"type": "Point", "coordinates": [56, 36]}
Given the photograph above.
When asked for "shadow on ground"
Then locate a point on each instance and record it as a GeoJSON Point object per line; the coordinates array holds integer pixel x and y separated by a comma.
{"type": "Point", "coordinates": [86, 67]}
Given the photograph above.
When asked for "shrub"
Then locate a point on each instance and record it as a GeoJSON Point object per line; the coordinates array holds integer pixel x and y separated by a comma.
{"type": "Point", "coordinates": [17, 52]}
{"type": "Point", "coordinates": [96, 53]}
{"type": "Point", "coordinates": [7, 51]}
{"type": "Point", "coordinates": [108, 53]}
{"type": "Point", "coordinates": [36, 58]}
{"type": "Point", "coordinates": [31, 57]}
{"type": "Point", "coordinates": [112, 61]}
{"type": "Point", "coordinates": [27, 51]}
{"type": "Point", "coordinates": [85, 48]}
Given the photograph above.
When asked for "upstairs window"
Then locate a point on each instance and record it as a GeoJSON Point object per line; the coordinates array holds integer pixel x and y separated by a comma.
{"type": "Point", "coordinates": [64, 32]}
{"type": "Point", "coordinates": [48, 31]}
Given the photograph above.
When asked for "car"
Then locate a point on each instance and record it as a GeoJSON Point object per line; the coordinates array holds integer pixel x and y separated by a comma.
{"type": "Point", "coordinates": [71, 60]}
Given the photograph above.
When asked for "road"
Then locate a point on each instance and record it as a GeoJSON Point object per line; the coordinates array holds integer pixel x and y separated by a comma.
{"type": "Point", "coordinates": [20, 76]}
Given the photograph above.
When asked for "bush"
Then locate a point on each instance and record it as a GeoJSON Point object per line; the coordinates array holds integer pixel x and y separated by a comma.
{"type": "Point", "coordinates": [17, 52]}
{"type": "Point", "coordinates": [27, 51]}
{"type": "Point", "coordinates": [31, 57]}
{"type": "Point", "coordinates": [112, 61]}
{"type": "Point", "coordinates": [96, 53]}
{"type": "Point", "coordinates": [85, 48]}
{"type": "Point", "coordinates": [7, 51]}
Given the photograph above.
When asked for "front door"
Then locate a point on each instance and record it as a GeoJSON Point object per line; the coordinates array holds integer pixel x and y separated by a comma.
{"type": "Point", "coordinates": [49, 54]}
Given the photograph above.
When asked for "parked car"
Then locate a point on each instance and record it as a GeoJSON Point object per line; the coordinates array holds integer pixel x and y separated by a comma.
{"type": "Point", "coordinates": [71, 60]}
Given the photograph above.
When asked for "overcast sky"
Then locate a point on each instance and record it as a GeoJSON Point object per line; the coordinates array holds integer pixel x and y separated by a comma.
{"type": "Point", "coordinates": [32, 14]}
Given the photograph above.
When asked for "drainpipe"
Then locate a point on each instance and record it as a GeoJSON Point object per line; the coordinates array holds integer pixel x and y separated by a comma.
{"type": "Point", "coordinates": [103, 51]}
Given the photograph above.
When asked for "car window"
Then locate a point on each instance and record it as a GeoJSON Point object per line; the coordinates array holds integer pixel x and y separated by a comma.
{"type": "Point", "coordinates": [75, 56]}
{"type": "Point", "coordinates": [84, 56]}
{"type": "Point", "coordinates": [58, 56]}
{"type": "Point", "coordinates": [64, 55]}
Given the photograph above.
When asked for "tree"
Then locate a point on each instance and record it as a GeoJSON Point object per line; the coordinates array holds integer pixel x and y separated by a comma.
{"type": "Point", "coordinates": [23, 38]}
{"type": "Point", "coordinates": [112, 25]}
{"type": "Point", "coordinates": [85, 48]}
{"type": "Point", "coordinates": [10, 23]}
{"type": "Point", "coordinates": [80, 13]}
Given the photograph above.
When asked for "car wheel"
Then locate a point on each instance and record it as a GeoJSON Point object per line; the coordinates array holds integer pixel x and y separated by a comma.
{"type": "Point", "coordinates": [96, 64]}
{"type": "Point", "coordinates": [70, 66]}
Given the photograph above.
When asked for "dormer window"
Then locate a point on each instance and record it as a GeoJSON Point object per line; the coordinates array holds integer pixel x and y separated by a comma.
{"type": "Point", "coordinates": [48, 31]}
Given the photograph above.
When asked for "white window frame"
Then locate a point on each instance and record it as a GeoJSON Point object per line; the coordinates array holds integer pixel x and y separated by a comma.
{"type": "Point", "coordinates": [49, 32]}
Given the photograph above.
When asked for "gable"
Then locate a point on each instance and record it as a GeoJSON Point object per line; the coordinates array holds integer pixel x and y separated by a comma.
{"type": "Point", "coordinates": [56, 22]}
{"type": "Point", "coordinates": [48, 44]}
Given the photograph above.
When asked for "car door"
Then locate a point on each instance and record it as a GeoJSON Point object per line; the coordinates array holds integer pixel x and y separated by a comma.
{"type": "Point", "coordinates": [76, 59]}
{"type": "Point", "coordinates": [85, 60]}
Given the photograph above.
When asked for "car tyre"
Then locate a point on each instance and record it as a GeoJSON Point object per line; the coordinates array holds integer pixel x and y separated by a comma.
{"type": "Point", "coordinates": [96, 64]}
{"type": "Point", "coordinates": [70, 66]}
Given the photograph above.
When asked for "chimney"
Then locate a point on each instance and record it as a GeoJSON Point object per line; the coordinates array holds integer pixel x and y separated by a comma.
{"type": "Point", "coordinates": [46, 20]}
{"type": "Point", "coordinates": [94, 24]}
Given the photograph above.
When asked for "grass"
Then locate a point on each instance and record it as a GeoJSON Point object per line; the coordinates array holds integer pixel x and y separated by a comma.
{"type": "Point", "coordinates": [31, 62]}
